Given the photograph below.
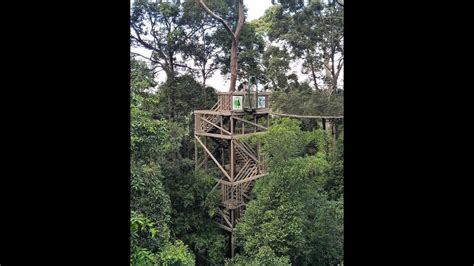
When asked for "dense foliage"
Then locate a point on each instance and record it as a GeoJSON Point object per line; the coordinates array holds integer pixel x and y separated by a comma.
{"type": "Point", "coordinates": [293, 213]}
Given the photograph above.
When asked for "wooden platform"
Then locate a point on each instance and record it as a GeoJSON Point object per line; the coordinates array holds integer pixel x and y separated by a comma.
{"type": "Point", "coordinates": [260, 111]}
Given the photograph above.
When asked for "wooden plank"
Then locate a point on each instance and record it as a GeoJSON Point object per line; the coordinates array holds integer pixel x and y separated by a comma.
{"type": "Point", "coordinates": [252, 171]}
{"type": "Point", "coordinates": [205, 155]}
{"type": "Point", "coordinates": [210, 112]}
{"type": "Point", "coordinates": [218, 127]}
{"type": "Point", "coordinates": [246, 151]}
{"type": "Point", "coordinates": [242, 171]}
{"type": "Point", "coordinates": [262, 111]}
{"type": "Point", "coordinates": [196, 167]}
{"type": "Point", "coordinates": [219, 136]}
{"type": "Point", "coordinates": [250, 179]}
{"type": "Point", "coordinates": [225, 227]}
{"type": "Point", "coordinates": [249, 149]}
{"type": "Point", "coordinates": [205, 160]}
{"type": "Point", "coordinates": [207, 112]}
{"type": "Point", "coordinates": [309, 116]}
{"type": "Point", "coordinates": [221, 181]}
{"type": "Point", "coordinates": [238, 136]}
{"type": "Point", "coordinates": [216, 105]}
{"type": "Point", "coordinates": [212, 157]}
{"type": "Point", "coordinates": [232, 161]}
{"type": "Point", "coordinates": [225, 218]}
{"type": "Point", "coordinates": [251, 123]}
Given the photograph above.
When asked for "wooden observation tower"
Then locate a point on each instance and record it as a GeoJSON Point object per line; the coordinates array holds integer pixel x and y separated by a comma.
{"type": "Point", "coordinates": [219, 147]}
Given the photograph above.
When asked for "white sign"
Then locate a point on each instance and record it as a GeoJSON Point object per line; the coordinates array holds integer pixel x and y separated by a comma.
{"type": "Point", "coordinates": [261, 102]}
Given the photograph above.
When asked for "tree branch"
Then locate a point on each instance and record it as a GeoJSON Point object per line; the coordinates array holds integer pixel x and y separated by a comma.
{"type": "Point", "coordinates": [156, 41]}
{"type": "Point", "coordinates": [339, 67]}
{"type": "Point", "coordinates": [147, 58]}
{"type": "Point", "coordinates": [181, 65]}
{"type": "Point", "coordinates": [240, 23]}
{"type": "Point", "coordinates": [333, 72]}
{"type": "Point", "coordinates": [139, 39]}
{"type": "Point", "coordinates": [328, 68]}
{"type": "Point", "coordinates": [221, 20]}
{"type": "Point", "coordinates": [341, 60]}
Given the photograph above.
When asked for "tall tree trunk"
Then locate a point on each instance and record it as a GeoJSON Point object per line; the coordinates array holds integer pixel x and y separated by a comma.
{"type": "Point", "coordinates": [171, 75]}
{"type": "Point", "coordinates": [170, 79]}
{"type": "Point", "coordinates": [328, 71]}
{"type": "Point", "coordinates": [235, 38]}
{"type": "Point", "coordinates": [333, 72]}
{"type": "Point", "coordinates": [233, 66]}
{"type": "Point", "coordinates": [203, 69]}
{"type": "Point", "coordinates": [204, 91]}
{"type": "Point", "coordinates": [313, 73]}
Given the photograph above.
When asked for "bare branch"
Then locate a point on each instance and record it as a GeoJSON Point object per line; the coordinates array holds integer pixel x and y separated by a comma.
{"type": "Point", "coordinates": [147, 58]}
{"type": "Point", "coordinates": [328, 68]}
{"type": "Point", "coordinates": [339, 67]}
{"type": "Point", "coordinates": [221, 20]}
{"type": "Point", "coordinates": [140, 40]}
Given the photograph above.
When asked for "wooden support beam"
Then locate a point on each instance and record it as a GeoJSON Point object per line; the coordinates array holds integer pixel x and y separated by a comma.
{"type": "Point", "coordinates": [222, 156]}
{"type": "Point", "coordinates": [223, 182]}
{"type": "Point", "coordinates": [238, 136]}
{"type": "Point", "coordinates": [310, 116]}
{"type": "Point", "coordinates": [205, 154]}
{"type": "Point", "coordinates": [218, 127]}
{"type": "Point", "coordinates": [250, 179]}
{"type": "Point", "coordinates": [246, 151]}
{"type": "Point", "coordinates": [210, 112]}
{"type": "Point", "coordinates": [242, 171]}
{"type": "Point", "coordinates": [225, 218]}
{"type": "Point", "coordinates": [219, 136]}
{"type": "Point", "coordinates": [205, 159]}
{"type": "Point", "coordinates": [212, 157]}
{"type": "Point", "coordinates": [195, 156]}
{"type": "Point", "coordinates": [232, 161]}
{"type": "Point", "coordinates": [224, 227]}
{"type": "Point", "coordinates": [251, 123]}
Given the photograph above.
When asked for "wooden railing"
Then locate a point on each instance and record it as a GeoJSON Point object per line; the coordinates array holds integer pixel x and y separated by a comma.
{"type": "Point", "coordinates": [225, 100]}
{"type": "Point", "coordinates": [201, 124]}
